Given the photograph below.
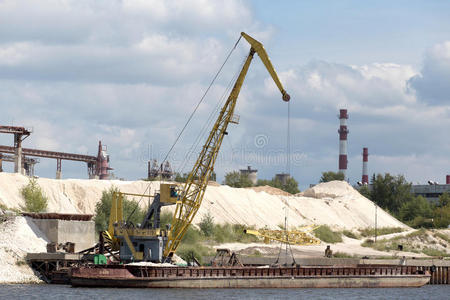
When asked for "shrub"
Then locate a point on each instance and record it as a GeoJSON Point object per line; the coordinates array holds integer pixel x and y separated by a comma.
{"type": "Point", "coordinates": [240, 236]}
{"type": "Point", "coordinates": [443, 236]}
{"type": "Point", "coordinates": [370, 231]}
{"type": "Point", "coordinates": [35, 200]}
{"type": "Point", "coordinates": [325, 234]}
{"type": "Point", "coordinates": [192, 235]}
{"type": "Point", "coordinates": [343, 255]}
{"type": "Point", "coordinates": [188, 251]}
{"type": "Point", "coordinates": [420, 222]}
{"type": "Point", "coordinates": [434, 252]}
{"type": "Point", "coordinates": [349, 234]}
{"type": "Point", "coordinates": [223, 233]}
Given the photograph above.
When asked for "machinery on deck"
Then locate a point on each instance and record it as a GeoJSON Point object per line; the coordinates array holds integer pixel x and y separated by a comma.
{"type": "Point", "coordinates": [149, 242]}
{"type": "Point", "coordinates": [137, 242]}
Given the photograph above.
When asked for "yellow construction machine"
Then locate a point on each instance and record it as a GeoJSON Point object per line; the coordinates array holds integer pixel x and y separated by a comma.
{"type": "Point", "coordinates": [194, 189]}
{"type": "Point", "coordinates": [143, 241]}
{"type": "Point", "coordinates": [301, 236]}
{"type": "Point", "coordinates": [151, 243]}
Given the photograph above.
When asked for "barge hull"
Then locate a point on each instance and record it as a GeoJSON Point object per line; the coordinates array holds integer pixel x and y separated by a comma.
{"type": "Point", "coordinates": [247, 277]}
{"type": "Point", "coordinates": [276, 282]}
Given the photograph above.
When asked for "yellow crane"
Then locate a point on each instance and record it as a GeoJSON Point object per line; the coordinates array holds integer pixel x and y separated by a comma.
{"type": "Point", "coordinates": [191, 197]}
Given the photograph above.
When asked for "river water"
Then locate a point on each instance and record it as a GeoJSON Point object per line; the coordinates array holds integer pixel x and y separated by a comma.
{"type": "Point", "coordinates": [43, 291]}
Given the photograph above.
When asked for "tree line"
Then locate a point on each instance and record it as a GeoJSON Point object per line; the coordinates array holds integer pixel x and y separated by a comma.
{"type": "Point", "coordinates": [238, 180]}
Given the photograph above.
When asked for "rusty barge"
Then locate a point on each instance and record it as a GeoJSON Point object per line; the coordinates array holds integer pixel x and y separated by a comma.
{"type": "Point", "coordinates": [365, 276]}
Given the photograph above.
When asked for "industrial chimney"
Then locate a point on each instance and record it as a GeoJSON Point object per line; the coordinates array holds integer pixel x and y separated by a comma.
{"type": "Point", "coordinates": [343, 131]}
{"type": "Point", "coordinates": [447, 179]}
{"type": "Point", "coordinates": [365, 174]}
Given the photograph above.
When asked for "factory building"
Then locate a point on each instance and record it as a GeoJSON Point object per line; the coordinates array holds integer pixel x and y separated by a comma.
{"type": "Point", "coordinates": [432, 190]}
{"type": "Point", "coordinates": [252, 174]}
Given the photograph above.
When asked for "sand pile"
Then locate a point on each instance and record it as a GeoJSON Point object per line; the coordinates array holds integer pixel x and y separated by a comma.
{"type": "Point", "coordinates": [332, 189]}
{"type": "Point", "coordinates": [19, 236]}
{"type": "Point", "coordinates": [67, 195]}
{"type": "Point", "coordinates": [334, 203]}
{"type": "Point", "coordinates": [269, 190]}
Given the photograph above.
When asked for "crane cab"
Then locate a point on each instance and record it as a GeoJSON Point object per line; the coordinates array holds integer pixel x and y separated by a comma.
{"type": "Point", "coordinates": [169, 193]}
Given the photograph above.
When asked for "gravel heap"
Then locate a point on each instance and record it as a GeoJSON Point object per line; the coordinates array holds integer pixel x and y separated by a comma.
{"type": "Point", "coordinates": [18, 236]}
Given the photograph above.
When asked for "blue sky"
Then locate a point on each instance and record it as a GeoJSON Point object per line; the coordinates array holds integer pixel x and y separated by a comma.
{"type": "Point", "coordinates": [130, 72]}
{"type": "Point", "coordinates": [355, 32]}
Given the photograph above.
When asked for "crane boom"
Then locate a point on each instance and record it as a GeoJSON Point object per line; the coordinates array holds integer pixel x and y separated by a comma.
{"type": "Point", "coordinates": [194, 189]}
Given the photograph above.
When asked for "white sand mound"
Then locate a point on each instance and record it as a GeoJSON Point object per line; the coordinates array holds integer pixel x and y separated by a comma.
{"type": "Point", "coordinates": [66, 195]}
{"type": "Point", "coordinates": [19, 236]}
{"type": "Point", "coordinates": [332, 189]}
{"type": "Point", "coordinates": [334, 203]}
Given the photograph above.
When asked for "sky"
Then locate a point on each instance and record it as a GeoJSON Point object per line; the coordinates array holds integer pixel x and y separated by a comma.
{"type": "Point", "coordinates": [129, 73]}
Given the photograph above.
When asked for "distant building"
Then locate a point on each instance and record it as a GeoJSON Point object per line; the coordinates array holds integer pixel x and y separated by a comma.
{"type": "Point", "coordinates": [431, 192]}
{"type": "Point", "coordinates": [282, 177]}
{"type": "Point", "coordinates": [163, 171]}
{"type": "Point", "coordinates": [251, 174]}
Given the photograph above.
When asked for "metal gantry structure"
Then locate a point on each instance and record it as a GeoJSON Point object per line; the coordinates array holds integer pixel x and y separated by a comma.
{"type": "Point", "coordinates": [98, 166]}
{"type": "Point", "coordinates": [194, 189]}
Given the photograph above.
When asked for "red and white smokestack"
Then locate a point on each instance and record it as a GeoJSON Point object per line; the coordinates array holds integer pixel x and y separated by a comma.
{"type": "Point", "coordinates": [365, 173]}
{"type": "Point", "coordinates": [343, 131]}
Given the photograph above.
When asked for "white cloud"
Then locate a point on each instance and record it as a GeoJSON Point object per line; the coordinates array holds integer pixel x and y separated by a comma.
{"type": "Point", "coordinates": [432, 85]}
{"type": "Point", "coordinates": [130, 73]}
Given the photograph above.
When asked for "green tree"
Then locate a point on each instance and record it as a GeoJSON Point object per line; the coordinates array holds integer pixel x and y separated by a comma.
{"type": "Point", "coordinates": [417, 207]}
{"type": "Point", "coordinates": [291, 186]}
{"type": "Point", "coordinates": [103, 210]}
{"type": "Point", "coordinates": [207, 225]}
{"type": "Point", "coordinates": [238, 180]}
{"type": "Point", "coordinates": [444, 199]}
{"type": "Point", "coordinates": [365, 191]}
{"type": "Point", "coordinates": [35, 200]}
{"type": "Point", "coordinates": [390, 192]}
{"type": "Point", "coordinates": [330, 176]}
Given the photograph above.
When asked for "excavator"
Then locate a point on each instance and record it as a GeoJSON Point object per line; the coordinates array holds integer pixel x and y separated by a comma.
{"type": "Point", "coordinates": [146, 241]}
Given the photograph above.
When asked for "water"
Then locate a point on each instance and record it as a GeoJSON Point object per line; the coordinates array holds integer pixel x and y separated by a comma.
{"type": "Point", "coordinates": [40, 291]}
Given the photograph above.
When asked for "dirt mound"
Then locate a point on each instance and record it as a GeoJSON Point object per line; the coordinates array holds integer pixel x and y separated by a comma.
{"type": "Point", "coordinates": [269, 190]}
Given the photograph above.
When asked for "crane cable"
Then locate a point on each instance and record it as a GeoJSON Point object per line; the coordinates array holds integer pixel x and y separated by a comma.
{"type": "Point", "coordinates": [288, 167]}
{"type": "Point", "coordinates": [208, 122]}
{"type": "Point", "coordinates": [189, 119]}
{"type": "Point", "coordinates": [286, 206]}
